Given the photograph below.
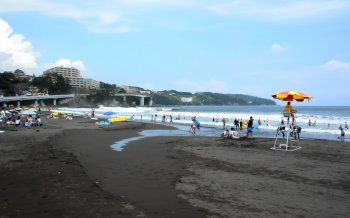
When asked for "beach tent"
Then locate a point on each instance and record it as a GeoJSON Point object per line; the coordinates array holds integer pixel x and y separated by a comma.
{"type": "Point", "coordinates": [289, 96]}
{"type": "Point", "coordinates": [28, 112]}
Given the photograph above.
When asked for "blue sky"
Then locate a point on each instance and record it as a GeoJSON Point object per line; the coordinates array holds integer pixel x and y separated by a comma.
{"type": "Point", "coordinates": [228, 46]}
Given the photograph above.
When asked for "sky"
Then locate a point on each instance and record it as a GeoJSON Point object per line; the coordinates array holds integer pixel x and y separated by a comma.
{"type": "Point", "coordinates": [228, 46]}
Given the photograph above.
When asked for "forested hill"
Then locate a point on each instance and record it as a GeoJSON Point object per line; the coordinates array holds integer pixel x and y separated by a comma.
{"type": "Point", "coordinates": [173, 97]}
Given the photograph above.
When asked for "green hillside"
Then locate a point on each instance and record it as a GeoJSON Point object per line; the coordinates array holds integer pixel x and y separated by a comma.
{"type": "Point", "coordinates": [172, 97]}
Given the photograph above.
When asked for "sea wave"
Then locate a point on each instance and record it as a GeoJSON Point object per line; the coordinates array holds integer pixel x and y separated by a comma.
{"type": "Point", "coordinates": [326, 125]}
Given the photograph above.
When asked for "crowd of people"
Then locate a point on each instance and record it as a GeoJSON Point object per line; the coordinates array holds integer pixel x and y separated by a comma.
{"type": "Point", "coordinates": [14, 117]}
{"type": "Point", "coordinates": [233, 132]}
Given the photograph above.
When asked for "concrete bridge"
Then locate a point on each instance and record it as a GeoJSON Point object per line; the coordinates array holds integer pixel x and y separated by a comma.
{"type": "Point", "coordinates": [35, 99]}
{"type": "Point", "coordinates": [141, 96]}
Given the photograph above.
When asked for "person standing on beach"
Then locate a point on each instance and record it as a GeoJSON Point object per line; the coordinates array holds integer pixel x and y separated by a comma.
{"type": "Point", "coordinates": [3, 116]}
{"type": "Point", "coordinates": [193, 129]}
{"type": "Point", "coordinates": [250, 128]}
{"type": "Point", "coordinates": [236, 124]}
{"type": "Point", "coordinates": [92, 112]}
{"type": "Point", "coordinates": [342, 133]}
{"type": "Point", "coordinates": [224, 122]}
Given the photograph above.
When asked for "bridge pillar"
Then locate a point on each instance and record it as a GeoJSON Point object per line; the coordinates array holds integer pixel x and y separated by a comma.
{"type": "Point", "coordinates": [142, 101]}
{"type": "Point", "coordinates": [54, 102]}
{"type": "Point", "coordinates": [124, 98]}
{"type": "Point", "coordinates": [150, 103]}
{"type": "Point", "coordinates": [18, 104]}
{"type": "Point", "coordinates": [36, 102]}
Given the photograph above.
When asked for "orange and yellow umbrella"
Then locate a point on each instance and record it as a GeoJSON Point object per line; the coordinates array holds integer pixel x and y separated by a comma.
{"type": "Point", "coordinates": [291, 96]}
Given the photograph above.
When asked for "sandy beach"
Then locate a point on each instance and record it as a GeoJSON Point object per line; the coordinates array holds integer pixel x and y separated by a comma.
{"type": "Point", "coordinates": [68, 169]}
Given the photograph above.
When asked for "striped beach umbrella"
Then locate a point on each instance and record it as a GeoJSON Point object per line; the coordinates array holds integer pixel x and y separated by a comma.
{"type": "Point", "coordinates": [291, 96]}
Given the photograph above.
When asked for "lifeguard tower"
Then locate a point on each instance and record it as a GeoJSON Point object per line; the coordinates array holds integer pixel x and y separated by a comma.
{"type": "Point", "coordinates": [290, 131]}
{"type": "Point", "coordinates": [287, 136]}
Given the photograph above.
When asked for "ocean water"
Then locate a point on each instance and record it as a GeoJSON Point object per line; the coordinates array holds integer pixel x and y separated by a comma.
{"type": "Point", "coordinates": [325, 119]}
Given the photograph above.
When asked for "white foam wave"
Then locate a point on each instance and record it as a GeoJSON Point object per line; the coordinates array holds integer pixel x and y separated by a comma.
{"type": "Point", "coordinates": [325, 124]}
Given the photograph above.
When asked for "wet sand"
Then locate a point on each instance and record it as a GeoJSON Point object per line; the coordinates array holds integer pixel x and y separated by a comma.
{"type": "Point", "coordinates": [68, 169]}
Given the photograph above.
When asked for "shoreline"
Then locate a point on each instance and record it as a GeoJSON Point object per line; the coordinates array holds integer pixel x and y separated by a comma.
{"type": "Point", "coordinates": [69, 169]}
{"type": "Point", "coordinates": [326, 128]}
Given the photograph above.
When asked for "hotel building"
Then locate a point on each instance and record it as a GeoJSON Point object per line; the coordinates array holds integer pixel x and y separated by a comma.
{"type": "Point", "coordinates": [74, 77]}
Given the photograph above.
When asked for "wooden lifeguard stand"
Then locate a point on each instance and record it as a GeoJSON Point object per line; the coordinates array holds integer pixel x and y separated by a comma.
{"type": "Point", "coordinates": [291, 141]}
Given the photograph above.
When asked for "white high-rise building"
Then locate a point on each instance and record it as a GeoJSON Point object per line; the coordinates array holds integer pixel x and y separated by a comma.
{"type": "Point", "coordinates": [63, 71]}
{"type": "Point", "coordinates": [74, 77]}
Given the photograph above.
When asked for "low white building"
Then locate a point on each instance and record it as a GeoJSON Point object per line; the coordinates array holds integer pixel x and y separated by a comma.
{"type": "Point", "coordinates": [92, 84]}
{"type": "Point", "coordinates": [186, 99]}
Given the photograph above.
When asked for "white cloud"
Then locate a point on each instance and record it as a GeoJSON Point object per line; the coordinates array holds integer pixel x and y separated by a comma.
{"type": "Point", "coordinates": [116, 15]}
{"type": "Point", "coordinates": [96, 18]}
{"type": "Point", "coordinates": [338, 65]}
{"type": "Point", "coordinates": [277, 10]}
{"type": "Point", "coordinates": [212, 85]}
{"type": "Point", "coordinates": [66, 63]}
{"type": "Point", "coordinates": [297, 9]}
{"type": "Point", "coordinates": [276, 48]}
{"type": "Point", "coordinates": [15, 51]}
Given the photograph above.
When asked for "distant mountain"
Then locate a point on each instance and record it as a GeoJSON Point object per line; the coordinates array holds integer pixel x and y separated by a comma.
{"type": "Point", "coordinates": [173, 97]}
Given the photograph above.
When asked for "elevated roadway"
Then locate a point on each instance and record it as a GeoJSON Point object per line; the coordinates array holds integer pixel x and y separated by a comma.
{"type": "Point", "coordinates": [141, 96]}
{"type": "Point", "coordinates": [34, 98]}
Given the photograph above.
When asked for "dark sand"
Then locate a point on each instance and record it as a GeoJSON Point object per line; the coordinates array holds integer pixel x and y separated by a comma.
{"type": "Point", "coordinates": [68, 169]}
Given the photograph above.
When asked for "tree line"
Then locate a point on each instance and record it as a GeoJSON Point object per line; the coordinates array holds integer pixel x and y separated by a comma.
{"type": "Point", "coordinates": [10, 85]}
